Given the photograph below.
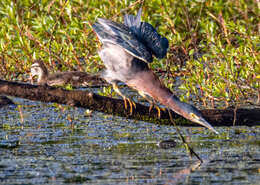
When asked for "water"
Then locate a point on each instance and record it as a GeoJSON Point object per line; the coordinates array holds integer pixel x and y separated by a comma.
{"type": "Point", "coordinates": [52, 144]}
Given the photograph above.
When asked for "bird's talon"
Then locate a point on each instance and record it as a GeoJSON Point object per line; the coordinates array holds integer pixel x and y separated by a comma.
{"type": "Point", "coordinates": [125, 101]}
{"type": "Point", "coordinates": [157, 108]}
{"type": "Point", "coordinates": [131, 107]}
{"type": "Point", "coordinates": [134, 104]}
{"type": "Point", "coordinates": [159, 111]}
{"type": "Point", "coordinates": [131, 104]}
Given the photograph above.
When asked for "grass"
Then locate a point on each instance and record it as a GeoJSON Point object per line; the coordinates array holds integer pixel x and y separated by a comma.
{"type": "Point", "coordinates": [214, 45]}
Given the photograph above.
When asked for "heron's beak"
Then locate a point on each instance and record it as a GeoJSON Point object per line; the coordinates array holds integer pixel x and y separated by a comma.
{"type": "Point", "coordinates": [204, 123]}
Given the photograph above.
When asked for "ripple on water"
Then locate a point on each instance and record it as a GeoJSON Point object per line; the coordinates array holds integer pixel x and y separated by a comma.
{"type": "Point", "coordinates": [52, 144]}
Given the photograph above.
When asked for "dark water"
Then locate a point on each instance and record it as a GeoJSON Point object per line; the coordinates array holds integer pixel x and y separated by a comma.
{"type": "Point", "coordinates": [52, 144]}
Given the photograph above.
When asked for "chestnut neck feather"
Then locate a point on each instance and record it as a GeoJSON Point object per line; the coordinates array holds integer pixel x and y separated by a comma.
{"type": "Point", "coordinates": [148, 83]}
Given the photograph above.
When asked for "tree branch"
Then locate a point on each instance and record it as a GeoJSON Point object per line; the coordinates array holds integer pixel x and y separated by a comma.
{"type": "Point", "coordinates": [113, 106]}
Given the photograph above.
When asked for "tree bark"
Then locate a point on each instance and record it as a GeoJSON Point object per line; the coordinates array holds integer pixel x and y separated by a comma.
{"type": "Point", "coordinates": [86, 99]}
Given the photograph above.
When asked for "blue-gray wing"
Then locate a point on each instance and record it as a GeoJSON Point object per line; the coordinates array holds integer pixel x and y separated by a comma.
{"type": "Point", "coordinates": [147, 34]}
{"type": "Point", "coordinates": [154, 41]}
{"type": "Point", "coordinates": [119, 34]}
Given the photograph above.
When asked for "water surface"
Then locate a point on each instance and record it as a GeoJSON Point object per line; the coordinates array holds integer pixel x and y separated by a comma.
{"type": "Point", "coordinates": [52, 144]}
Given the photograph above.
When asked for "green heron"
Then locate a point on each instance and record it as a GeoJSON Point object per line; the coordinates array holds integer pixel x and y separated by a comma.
{"type": "Point", "coordinates": [74, 78]}
{"type": "Point", "coordinates": [127, 49]}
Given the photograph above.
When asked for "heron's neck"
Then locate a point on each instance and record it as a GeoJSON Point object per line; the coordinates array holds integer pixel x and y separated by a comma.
{"type": "Point", "coordinates": [148, 83]}
{"type": "Point", "coordinates": [167, 98]}
{"type": "Point", "coordinates": [174, 103]}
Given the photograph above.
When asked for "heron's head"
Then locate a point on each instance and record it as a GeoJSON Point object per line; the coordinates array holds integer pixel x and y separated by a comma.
{"type": "Point", "coordinates": [194, 115]}
{"type": "Point", "coordinates": [38, 69]}
{"type": "Point", "coordinates": [190, 112]}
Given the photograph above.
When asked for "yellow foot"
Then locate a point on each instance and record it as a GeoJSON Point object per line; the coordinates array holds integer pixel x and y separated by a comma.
{"type": "Point", "coordinates": [131, 104]}
{"type": "Point", "coordinates": [152, 104]}
{"type": "Point", "coordinates": [157, 107]}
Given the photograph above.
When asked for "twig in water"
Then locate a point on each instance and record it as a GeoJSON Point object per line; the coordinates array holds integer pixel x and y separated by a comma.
{"type": "Point", "coordinates": [21, 113]}
{"type": "Point", "coordinates": [190, 150]}
{"type": "Point", "coordinates": [235, 115]}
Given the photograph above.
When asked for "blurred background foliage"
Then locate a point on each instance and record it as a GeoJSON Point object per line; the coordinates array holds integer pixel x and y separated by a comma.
{"type": "Point", "coordinates": [214, 45]}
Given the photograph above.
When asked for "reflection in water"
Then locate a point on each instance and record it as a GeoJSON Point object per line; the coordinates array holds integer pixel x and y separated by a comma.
{"type": "Point", "coordinates": [57, 146]}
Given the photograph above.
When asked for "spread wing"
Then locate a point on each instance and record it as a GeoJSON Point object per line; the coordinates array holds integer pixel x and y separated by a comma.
{"type": "Point", "coordinates": [119, 34]}
{"type": "Point", "coordinates": [147, 34]}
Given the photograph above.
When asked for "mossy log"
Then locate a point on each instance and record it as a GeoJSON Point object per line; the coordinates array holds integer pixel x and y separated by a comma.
{"type": "Point", "coordinates": [89, 100]}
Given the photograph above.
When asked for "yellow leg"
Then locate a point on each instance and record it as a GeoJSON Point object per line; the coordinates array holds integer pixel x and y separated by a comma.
{"type": "Point", "coordinates": [152, 104]}
{"type": "Point", "coordinates": [131, 103]}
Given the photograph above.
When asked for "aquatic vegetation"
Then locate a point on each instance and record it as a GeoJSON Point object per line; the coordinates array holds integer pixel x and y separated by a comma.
{"type": "Point", "coordinates": [214, 45]}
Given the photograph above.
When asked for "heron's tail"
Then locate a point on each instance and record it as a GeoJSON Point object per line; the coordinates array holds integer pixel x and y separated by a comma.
{"type": "Point", "coordinates": [134, 22]}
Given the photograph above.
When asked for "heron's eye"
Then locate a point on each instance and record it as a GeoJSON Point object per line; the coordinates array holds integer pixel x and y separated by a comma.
{"type": "Point", "coordinates": [194, 116]}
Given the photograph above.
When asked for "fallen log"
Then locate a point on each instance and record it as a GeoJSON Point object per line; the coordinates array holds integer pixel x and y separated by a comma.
{"type": "Point", "coordinates": [89, 100]}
